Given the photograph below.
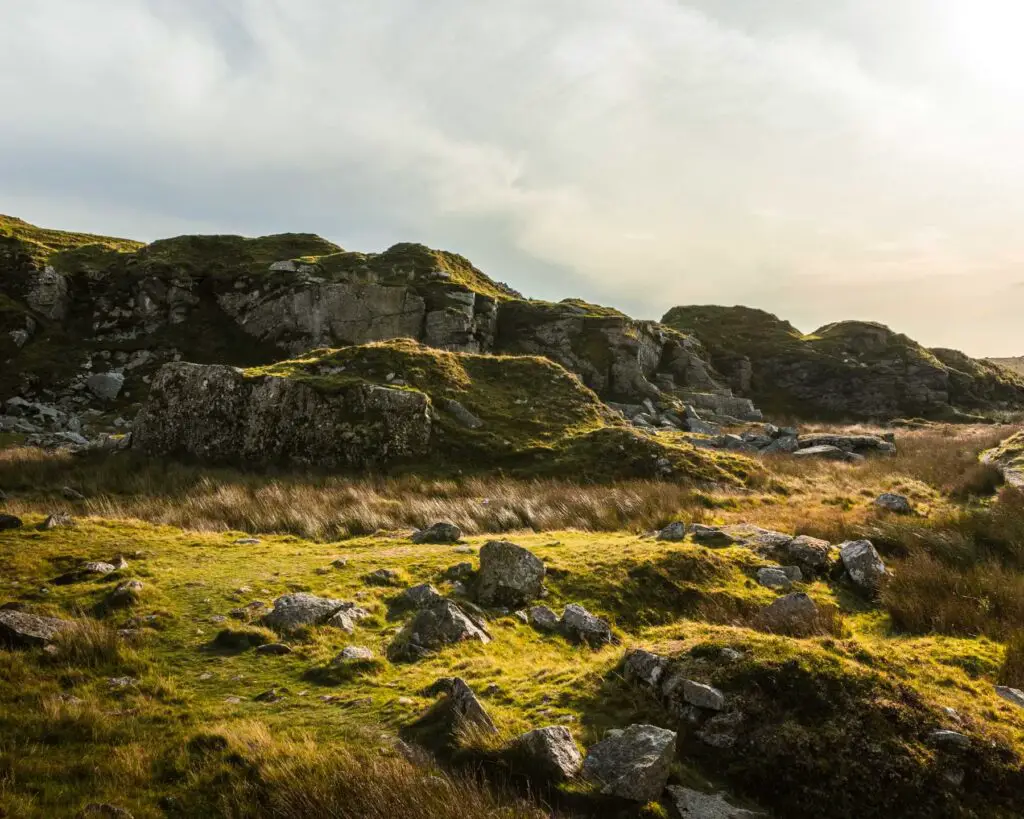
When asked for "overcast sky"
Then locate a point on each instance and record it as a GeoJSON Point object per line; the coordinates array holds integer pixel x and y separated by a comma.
{"type": "Point", "coordinates": [821, 159]}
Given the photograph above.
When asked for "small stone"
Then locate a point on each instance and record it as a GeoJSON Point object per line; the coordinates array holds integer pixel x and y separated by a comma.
{"type": "Point", "coordinates": [339, 562]}
{"type": "Point", "coordinates": [103, 810]}
{"type": "Point", "coordinates": [23, 630]}
{"type": "Point", "coordinates": [274, 649]}
{"type": "Point", "coordinates": [950, 739]}
{"type": "Point", "coordinates": [730, 655]}
{"type": "Point", "coordinates": [350, 653]}
{"type": "Point", "coordinates": [774, 578]}
{"type": "Point", "coordinates": [891, 502]}
{"type": "Point", "coordinates": [126, 593]}
{"type": "Point", "coordinates": [522, 617]}
{"type": "Point", "coordinates": [542, 618]}
{"type": "Point", "coordinates": [674, 532]}
{"type": "Point", "coordinates": [122, 682]}
{"type": "Point", "coordinates": [440, 532]}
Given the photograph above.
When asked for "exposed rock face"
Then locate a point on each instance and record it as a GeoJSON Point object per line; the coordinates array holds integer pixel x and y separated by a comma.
{"type": "Point", "coordinates": [632, 763]}
{"type": "Point", "coordinates": [23, 630]}
{"type": "Point", "coordinates": [551, 752]}
{"type": "Point", "coordinates": [218, 414]}
{"type": "Point", "coordinates": [848, 369]}
{"type": "Point", "coordinates": [509, 575]}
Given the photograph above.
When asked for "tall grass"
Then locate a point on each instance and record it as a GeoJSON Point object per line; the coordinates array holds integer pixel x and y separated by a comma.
{"type": "Point", "coordinates": [1011, 672]}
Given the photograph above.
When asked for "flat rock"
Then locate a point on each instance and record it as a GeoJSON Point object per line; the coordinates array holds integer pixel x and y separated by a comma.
{"type": "Point", "coordinates": [632, 763]}
{"type": "Point", "coordinates": [23, 630]}
{"type": "Point", "coordinates": [711, 535]}
{"type": "Point", "coordinates": [293, 611]}
{"type": "Point", "coordinates": [693, 804]}
{"type": "Point", "coordinates": [441, 532]}
{"type": "Point", "coordinates": [509, 575]}
{"type": "Point", "coordinates": [551, 752]}
{"type": "Point", "coordinates": [826, 452]}
{"type": "Point", "coordinates": [950, 739]}
{"type": "Point", "coordinates": [274, 649]}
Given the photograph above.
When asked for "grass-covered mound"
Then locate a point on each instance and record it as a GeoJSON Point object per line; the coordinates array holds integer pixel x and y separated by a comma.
{"type": "Point", "coordinates": [845, 369]}
{"type": "Point", "coordinates": [526, 415]}
{"type": "Point", "coordinates": [1008, 458]}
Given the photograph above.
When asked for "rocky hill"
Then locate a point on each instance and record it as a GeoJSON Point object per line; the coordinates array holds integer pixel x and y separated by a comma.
{"type": "Point", "coordinates": [1015, 363]}
{"type": "Point", "coordinates": [851, 369]}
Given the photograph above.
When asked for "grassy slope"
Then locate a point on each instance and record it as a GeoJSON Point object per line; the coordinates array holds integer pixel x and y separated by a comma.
{"type": "Point", "coordinates": [1016, 364]}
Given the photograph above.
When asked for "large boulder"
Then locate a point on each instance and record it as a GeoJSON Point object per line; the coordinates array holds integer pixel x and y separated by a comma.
{"type": "Point", "coordinates": [294, 611]}
{"type": "Point", "coordinates": [221, 414]}
{"type": "Point", "coordinates": [550, 753]}
{"type": "Point", "coordinates": [632, 763]}
{"type": "Point", "coordinates": [863, 564]}
{"type": "Point", "coordinates": [433, 628]}
{"type": "Point", "coordinates": [509, 575]}
{"type": "Point", "coordinates": [23, 630]}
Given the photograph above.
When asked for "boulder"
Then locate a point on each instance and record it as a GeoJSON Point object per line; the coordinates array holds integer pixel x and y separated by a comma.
{"type": "Point", "coordinates": [346, 617]}
{"type": "Point", "coordinates": [105, 386]}
{"type": "Point", "coordinates": [440, 532]}
{"type": "Point", "coordinates": [812, 555]}
{"type": "Point", "coordinates": [433, 628]}
{"type": "Point", "coordinates": [126, 594]}
{"type": "Point", "coordinates": [863, 564]}
{"type": "Point", "coordinates": [795, 614]}
{"type": "Point", "coordinates": [693, 804]}
{"type": "Point", "coordinates": [632, 763]}
{"type": "Point", "coordinates": [58, 520]}
{"type": "Point", "coordinates": [509, 575]}
{"type": "Point", "coordinates": [542, 618]}
{"type": "Point", "coordinates": [644, 667]}
{"type": "Point", "coordinates": [774, 578]}
{"type": "Point", "coordinates": [353, 653]}
{"type": "Point", "coordinates": [550, 753]}
{"type": "Point", "coordinates": [580, 626]}
{"type": "Point", "coordinates": [891, 502]}
{"type": "Point", "coordinates": [460, 707]}
{"type": "Point", "coordinates": [711, 535]}
{"type": "Point", "coordinates": [9, 522]}
{"type": "Point", "coordinates": [383, 577]}
{"type": "Point", "coordinates": [674, 532]}
{"type": "Point", "coordinates": [72, 494]}
{"type": "Point", "coordinates": [22, 630]}
{"type": "Point", "coordinates": [703, 696]}
{"type": "Point", "coordinates": [293, 611]}
{"type": "Point", "coordinates": [420, 597]}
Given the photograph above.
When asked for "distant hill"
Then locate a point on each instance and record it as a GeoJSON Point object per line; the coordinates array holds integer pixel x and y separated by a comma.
{"type": "Point", "coordinates": [1015, 364]}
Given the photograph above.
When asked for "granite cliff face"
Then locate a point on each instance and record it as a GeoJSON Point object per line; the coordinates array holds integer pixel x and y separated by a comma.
{"type": "Point", "coordinates": [851, 369]}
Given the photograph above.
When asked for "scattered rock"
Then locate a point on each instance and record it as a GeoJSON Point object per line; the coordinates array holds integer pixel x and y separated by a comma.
{"type": "Point", "coordinates": [813, 555]}
{"type": "Point", "coordinates": [126, 593]}
{"type": "Point", "coordinates": [509, 575]}
{"type": "Point", "coordinates": [950, 739]}
{"type": "Point", "coordinates": [420, 597]}
{"type": "Point", "coordinates": [703, 696]}
{"type": "Point", "coordinates": [711, 535]}
{"type": "Point", "coordinates": [270, 695]}
{"type": "Point", "coordinates": [632, 763]}
{"type": "Point", "coordinates": [460, 707]}
{"type": "Point", "coordinates": [693, 804]}
{"type": "Point", "coordinates": [774, 578]}
{"type": "Point", "coordinates": [644, 666]}
{"type": "Point", "coordinates": [460, 571]}
{"type": "Point", "coordinates": [550, 752]}
{"type": "Point", "coordinates": [433, 628]}
{"type": "Point", "coordinates": [72, 494]}
{"type": "Point", "coordinates": [383, 577]}
{"type": "Point", "coordinates": [274, 649]}
{"type": "Point", "coordinates": [542, 618]}
{"type": "Point", "coordinates": [293, 611]}
{"type": "Point", "coordinates": [346, 617]}
{"type": "Point", "coordinates": [863, 563]}
{"type": "Point", "coordinates": [9, 522]}
{"type": "Point", "coordinates": [581, 626]}
{"type": "Point", "coordinates": [730, 655]}
{"type": "Point", "coordinates": [23, 630]}
{"type": "Point", "coordinates": [105, 386]}
{"type": "Point", "coordinates": [892, 502]}
{"type": "Point", "coordinates": [1011, 695]}
{"type": "Point", "coordinates": [795, 614]}
{"type": "Point", "coordinates": [674, 532]}
{"type": "Point", "coordinates": [247, 541]}
{"type": "Point", "coordinates": [441, 532]}
{"type": "Point", "coordinates": [350, 653]}
{"type": "Point", "coordinates": [339, 562]}
{"type": "Point", "coordinates": [57, 520]}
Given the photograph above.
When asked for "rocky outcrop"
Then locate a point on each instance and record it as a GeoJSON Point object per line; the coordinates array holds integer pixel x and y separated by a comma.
{"type": "Point", "coordinates": [220, 414]}
{"type": "Point", "coordinates": [852, 369]}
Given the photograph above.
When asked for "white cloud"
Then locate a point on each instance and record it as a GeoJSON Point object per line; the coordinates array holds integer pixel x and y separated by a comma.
{"type": "Point", "coordinates": [650, 153]}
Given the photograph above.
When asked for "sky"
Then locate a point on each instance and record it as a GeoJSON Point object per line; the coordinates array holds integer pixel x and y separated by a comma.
{"type": "Point", "coordinates": [849, 159]}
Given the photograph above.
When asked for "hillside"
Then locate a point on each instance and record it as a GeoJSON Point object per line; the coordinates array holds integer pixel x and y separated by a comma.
{"type": "Point", "coordinates": [851, 369]}
{"type": "Point", "coordinates": [1015, 364]}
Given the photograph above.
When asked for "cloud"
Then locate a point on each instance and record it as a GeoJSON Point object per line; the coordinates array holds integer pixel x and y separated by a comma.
{"type": "Point", "coordinates": [808, 160]}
